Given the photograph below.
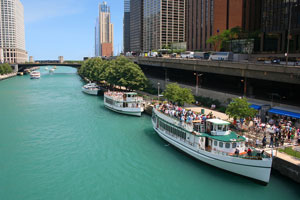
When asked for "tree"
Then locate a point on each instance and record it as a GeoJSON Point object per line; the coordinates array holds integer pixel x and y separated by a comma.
{"type": "Point", "coordinates": [123, 72]}
{"type": "Point", "coordinates": [216, 41]}
{"type": "Point", "coordinates": [5, 69]}
{"type": "Point", "coordinates": [93, 68]}
{"type": "Point", "coordinates": [175, 93]}
{"type": "Point", "coordinates": [239, 108]}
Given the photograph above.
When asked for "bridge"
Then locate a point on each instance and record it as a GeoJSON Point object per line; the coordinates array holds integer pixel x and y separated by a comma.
{"type": "Point", "coordinates": [268, 72]}
{"type": "Point", "coordinates": [21, 67]}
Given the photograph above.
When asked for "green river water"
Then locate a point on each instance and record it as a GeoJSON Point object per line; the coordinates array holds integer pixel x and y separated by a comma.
{"type": "Point", "coordinates": [59, 143]}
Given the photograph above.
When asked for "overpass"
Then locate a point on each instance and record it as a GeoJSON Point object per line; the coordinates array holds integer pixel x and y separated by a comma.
{"type": "Point", "coordinates": [21, 67]}
{"type": "Point", "coordinates": [269, 72]}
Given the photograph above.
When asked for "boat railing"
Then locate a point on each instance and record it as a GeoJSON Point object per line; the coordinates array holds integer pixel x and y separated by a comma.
{"type": "Point", "coordinates": [184, 125]}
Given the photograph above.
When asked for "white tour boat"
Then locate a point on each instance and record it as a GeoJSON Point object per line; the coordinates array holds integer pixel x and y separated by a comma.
{"type": "Point", "coordinates": [35, 75]}
{"type": "Point", "coordinates": [91, 88]}
{"type": "Point", "coordinates": [211, 141]}
{"type": "Point", "coordinates": [124, 102]}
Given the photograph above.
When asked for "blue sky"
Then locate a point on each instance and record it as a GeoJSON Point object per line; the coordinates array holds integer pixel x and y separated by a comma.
{"type": "Point", "coordinates": [66, 27]}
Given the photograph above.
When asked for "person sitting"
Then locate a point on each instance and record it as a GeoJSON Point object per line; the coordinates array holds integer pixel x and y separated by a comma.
{"type": "Point", "coordinates": [249, 152]}
{"type": "Point", "coordinates": [237, 152]}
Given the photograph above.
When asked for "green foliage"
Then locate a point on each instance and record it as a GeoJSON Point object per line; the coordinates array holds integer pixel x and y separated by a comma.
{"type": "Point", "coordinates": [120, 72]}
{"type": "Point", "coordinates": [240, 108]}
{"type": "Point", "coordinates": [207, 101]}
{"type": "Point", "coordinates": [177, 94]}
{"type": "Point", "coordinates": [123, 72]}
{"type": "Point", "coordinates": [149, 88]}
{"type": "Point", "coordinates": [227, 35]}
{"type": "Point", "coordinates": [290, 151]}
{"type": "Point", "coordinates": [93, 68]}
{"type": "Point", "coordinates": [5, 69]}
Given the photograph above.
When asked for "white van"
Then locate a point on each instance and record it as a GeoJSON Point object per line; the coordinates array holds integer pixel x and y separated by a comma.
{"type": "Point", "coordinates": [187, 55]}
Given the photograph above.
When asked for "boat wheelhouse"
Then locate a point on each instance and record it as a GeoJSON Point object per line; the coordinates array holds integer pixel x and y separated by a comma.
{"type": "Point", "coordinates": [211, 141]}
{"type": "Point", "coordinates": [91, 88]}
{"type": "Point", "coordinates": [124, 102]}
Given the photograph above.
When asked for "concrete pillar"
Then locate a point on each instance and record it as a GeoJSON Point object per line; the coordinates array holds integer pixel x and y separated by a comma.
{"type": "Point", "coordinates": [262, 40]}
{"type": "Point", "coordinates": [283, 40]}
{"type": "Point", "coordinates": [166, 78]}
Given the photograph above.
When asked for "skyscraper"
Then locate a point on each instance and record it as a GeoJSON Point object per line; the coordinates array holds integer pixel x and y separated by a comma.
{"type": "Point", "coordinates": [104, 32]}
{"type": "Point", "coordinates": [211, 17]}
{"type": "Point", "coordinates": [164, 23]}
{"type": "Point", "coordinates": [12, 31]}
{"type": "Point", "coordinates": [126, 26]}
{"type": "Point", "coordinates": [136, 25]}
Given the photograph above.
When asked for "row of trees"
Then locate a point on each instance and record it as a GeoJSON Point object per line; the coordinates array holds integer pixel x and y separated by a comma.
{"type": "Point", "coordinates": [119, 72]}
{"type": "Point", "coordinates": [5, 69]}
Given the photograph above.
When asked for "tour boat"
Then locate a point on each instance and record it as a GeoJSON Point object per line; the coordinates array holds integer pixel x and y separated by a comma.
{"type": "Point", "coordinates": [91, 88]}
{"type": "Point", "coordinates": [211, 141]}
{"type": "Point", "coordinates": [35, 75]}
{"type": "Point", "coordinates": [124, 102]}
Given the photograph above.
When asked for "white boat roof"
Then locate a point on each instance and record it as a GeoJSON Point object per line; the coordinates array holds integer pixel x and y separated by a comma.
{"type": "Point", "coordinates": [218, 121]}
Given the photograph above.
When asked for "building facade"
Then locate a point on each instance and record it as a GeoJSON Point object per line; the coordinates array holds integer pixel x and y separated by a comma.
{"type": "Point", "coordinates": [163, 23]}
{"type": "Point", "coordinates": [12, 32]}
{"type": "Point", "coordinates": [103, 31]}
{"type": "Point", "coordinates": [276, 17]}
{"type": "Point", "coordinates": [136, 25]}
{"type": "Point", "coordinates": [210, 17]}
{"type": "Point", "coordinates": [126, 26]}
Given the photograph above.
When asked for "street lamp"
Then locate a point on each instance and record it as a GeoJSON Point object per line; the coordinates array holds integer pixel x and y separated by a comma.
{"type": "Point", "coordinates": [289, 32]}
{"type": "Point", "coordinates": [158, 90]}
{"type": "Point", "coordinates": [197, 81]}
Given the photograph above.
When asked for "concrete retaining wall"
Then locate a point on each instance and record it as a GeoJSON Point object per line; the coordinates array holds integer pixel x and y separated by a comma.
{"type": "Point", "coordinates": [221, 96]}
{"type": "Point", "coordinates": [287, 169]}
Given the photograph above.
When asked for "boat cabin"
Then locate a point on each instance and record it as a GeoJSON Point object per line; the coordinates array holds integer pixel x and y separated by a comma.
{"type": "Point", "coordinates": [130, 96]}
{"type": "Point", "coordinates": [215, 136]}
{"type": "Point", "coordinates": [217, 127]}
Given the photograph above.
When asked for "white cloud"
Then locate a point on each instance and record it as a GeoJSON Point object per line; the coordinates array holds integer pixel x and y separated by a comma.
{"type": "Point", "coordinates": [36, 11]}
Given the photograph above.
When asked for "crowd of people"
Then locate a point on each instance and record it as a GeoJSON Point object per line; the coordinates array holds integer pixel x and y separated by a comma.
{"type": "Point", "coordinates": [279, 132]}
{"type": "Point", "coordinates": [187, 116]}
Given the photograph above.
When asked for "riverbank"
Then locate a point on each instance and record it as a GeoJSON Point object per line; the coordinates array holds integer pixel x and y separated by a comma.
{"type": "Point", "coordinates": [6, 76]}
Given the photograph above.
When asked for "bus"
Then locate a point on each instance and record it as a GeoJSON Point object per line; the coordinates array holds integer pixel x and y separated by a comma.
{"type": "Point", "coordinates": [201, 55]}
{"type": "Point", "coordinates": [221, 56]}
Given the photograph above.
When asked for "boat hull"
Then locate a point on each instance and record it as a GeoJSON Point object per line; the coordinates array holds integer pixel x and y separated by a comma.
{"type": "Point", "coordinates": [255, 169]}
{"type": "Point", "coordinates": [34, 77]}
{"type": "Point", "coordinates": [90, 92]}
{"type": "Point", "coordinates": [134, 112]}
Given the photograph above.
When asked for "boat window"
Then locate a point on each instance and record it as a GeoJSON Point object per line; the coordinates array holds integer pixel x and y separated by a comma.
{"type": "Point", "coordinates": [221, 144]}
{"type": "Point", "coordinates": [224, 128]}
{"type": "Point", "coordinates": [215, 143]}
{"type": "Point", "coordinates": [234, 145]}
{"type": "Point", "coordinates": [220, 127]}
{"type": "Point", "coordinates": [227, 145]}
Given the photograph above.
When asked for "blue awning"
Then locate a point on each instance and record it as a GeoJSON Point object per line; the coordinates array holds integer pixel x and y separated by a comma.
{"type": "Point", "coordinates": [285, 113]}
{"type": "Point", "coordinates": [256, 107]}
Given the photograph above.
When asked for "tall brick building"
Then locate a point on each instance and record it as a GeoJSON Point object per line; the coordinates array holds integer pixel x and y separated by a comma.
{"type": "Point", "coordinates": [210, 17]}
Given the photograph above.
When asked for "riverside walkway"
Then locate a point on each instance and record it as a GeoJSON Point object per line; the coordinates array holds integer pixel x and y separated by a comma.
{"type": "Point", "coordinates": [6, 76]}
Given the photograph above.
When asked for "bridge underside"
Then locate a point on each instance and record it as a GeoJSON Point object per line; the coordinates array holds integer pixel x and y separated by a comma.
{"type": "Point", "coordinates": [22, 67]}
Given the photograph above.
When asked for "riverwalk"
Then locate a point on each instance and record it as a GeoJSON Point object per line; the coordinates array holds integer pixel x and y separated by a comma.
{"type": "Point", "coordinates": [6, 76]}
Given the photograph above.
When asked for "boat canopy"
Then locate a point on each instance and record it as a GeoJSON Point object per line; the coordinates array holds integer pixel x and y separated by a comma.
{"type": "Point", "coordinates": [217, 122]}
{"type": "Point", "coordinates": [231, 137]}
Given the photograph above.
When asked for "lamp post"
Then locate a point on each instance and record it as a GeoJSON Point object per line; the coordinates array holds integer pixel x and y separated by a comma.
{"type": "Point", "coordinates": [289, 32]}
{"type": "Point", "coordinates": [158, 90]}
{"type": "Point", "coordinates": [197, 81]}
